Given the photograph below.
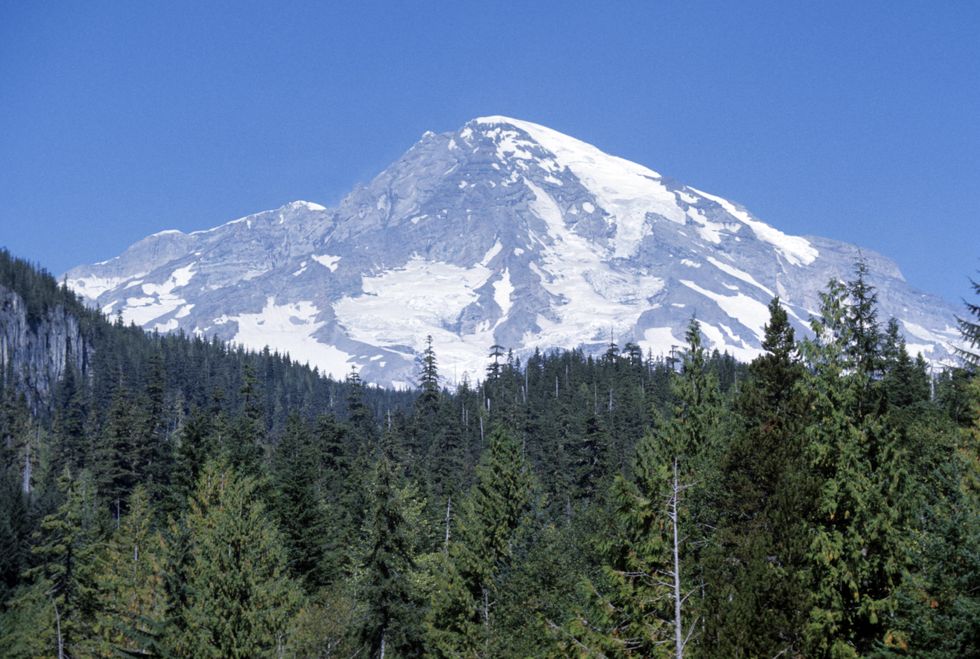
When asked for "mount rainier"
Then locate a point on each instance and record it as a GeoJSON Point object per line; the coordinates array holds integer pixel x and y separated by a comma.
{"type": "Point", "coordinates": [502, 232]}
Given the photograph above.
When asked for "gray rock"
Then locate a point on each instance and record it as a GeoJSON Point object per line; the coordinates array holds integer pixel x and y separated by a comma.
{"type": "Point", "coordinates": [501, 232]}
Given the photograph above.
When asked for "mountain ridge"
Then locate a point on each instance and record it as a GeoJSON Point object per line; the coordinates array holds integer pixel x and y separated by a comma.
{"type": "Point", "coordinates": [502, 232]}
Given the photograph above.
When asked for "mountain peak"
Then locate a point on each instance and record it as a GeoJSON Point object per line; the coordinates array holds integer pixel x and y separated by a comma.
{"type": "Point", "coordinates": [504, 232]}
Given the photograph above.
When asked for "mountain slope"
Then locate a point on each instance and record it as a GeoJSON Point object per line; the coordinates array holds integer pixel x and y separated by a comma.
{"type": "Point", "coordinates": [501, 232]}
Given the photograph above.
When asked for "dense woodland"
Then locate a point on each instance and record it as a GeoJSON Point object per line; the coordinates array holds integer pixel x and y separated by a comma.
{"type": "Point", "coordinates": [182, 498]}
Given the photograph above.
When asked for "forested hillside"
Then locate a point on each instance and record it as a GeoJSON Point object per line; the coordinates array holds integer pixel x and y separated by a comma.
{"type": "Point", "coordinates": [171, 496]}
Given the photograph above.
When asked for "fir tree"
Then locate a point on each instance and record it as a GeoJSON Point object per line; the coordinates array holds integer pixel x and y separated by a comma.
{"type": "Point", "coordinates": [389, 623]}
{"type": "Point", "coordinates": [240, 596]}
{"type": "Point", "coordinates": [970, 329]}
{"type": "Point", "coordinates": [65, 550]}
{"type": "Point", "coordinates": [298, 505]}
{"type": "Point", "coordinates": [130, 582]}
{"type": "Point", "coordinates": [461, 614]}
{"type": "Point", "coordinates": [757, 553]}
{"type": "Point", "coordinates": [854, 555]}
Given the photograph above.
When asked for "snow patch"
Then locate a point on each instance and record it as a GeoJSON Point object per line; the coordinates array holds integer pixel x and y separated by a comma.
{"type": "Point", "coordinates": [795, 249]}
{"type": "Point", "coordinates": [625, 190]}
{"type": "Point", "coordinates": [492, 252]}
{"type": "Point", "coordinates": [327, 261]}
{"type": "Point", "coordinates": [503, 289]}
{"type": "Point", "coordinates": [290, 328]}
{"type": "Point", "coordinates": [739, 274]}
{"type": "Point", "coordinates": [748, 311]}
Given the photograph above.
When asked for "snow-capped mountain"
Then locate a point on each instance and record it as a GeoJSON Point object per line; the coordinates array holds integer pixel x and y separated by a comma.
{"type": "Point", "coordinates": [502, 232]}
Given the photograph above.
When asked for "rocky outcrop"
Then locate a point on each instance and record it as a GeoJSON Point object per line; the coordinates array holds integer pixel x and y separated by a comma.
{"type": "Point", "coordinates": [35, 351]}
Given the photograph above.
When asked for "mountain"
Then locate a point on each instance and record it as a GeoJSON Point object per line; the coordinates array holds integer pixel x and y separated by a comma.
{"type": "Point", "coordinates": [503, 232]}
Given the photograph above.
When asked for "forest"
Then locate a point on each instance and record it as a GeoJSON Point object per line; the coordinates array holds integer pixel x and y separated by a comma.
{"type": "Point", "coordinates": [179, 497]}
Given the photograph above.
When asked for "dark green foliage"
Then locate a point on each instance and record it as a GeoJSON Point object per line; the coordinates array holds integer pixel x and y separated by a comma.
{"type": "Point", "coordinates": [757, 557]}
{"type": "Point", "coordinates": [970, 329]}
{"type": "Point", "coordinates": [391, 608]}
{"type": "Point", "coordinates": [240, 598]}
{"type": "Point", "coordinates": [298, 504]}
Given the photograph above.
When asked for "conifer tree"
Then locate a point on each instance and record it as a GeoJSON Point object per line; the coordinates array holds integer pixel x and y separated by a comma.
{"type": "Point", "coordinates": [757, 552]}
{"type": "Point", "coordinates": [244, 445]}
{"type": "Point", "coordinates": [240, 596]}
{"type": "Point", "coordinates": [642, 605]}
{"type": "Point", "coordinates": [970, 329]}
{"type": "Point", "coordinates": [195, 446]}
{"type": "Point", "coordinates": [461, 615]}
{"type": "Point", "coordinates": [132, 599]}
{"type": "Point", "coordinates": [299, 507]}
{"type": "Point", "coordinates": [855, 553]}
{"type": "Point", "coordinates": [65, 575]}
{"type": "Point", "coordinates": [391, 612]}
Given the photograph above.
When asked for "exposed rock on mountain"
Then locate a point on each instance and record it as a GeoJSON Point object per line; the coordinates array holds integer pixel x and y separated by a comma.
{"type": "Point", "coordinates": [502, 232]}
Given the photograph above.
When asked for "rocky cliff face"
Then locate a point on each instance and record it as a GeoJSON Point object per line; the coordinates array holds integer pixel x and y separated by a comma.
{"type": "Point", "coordinates": [502, 232]}
{"type": "Point", "coordinates": [35, 352]}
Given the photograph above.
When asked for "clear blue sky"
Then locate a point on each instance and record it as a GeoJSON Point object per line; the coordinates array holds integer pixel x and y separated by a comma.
{"type": "Point", "coordinates": [853, 120]}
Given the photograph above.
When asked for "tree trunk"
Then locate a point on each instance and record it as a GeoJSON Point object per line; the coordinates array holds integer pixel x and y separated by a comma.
{"type": "Point", "coordinates": [678, 632]}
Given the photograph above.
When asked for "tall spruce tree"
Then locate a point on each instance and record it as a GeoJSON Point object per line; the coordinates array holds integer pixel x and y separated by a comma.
{"type": "Point", "coordinates": [855, 552]}
{"type": "Point", "coordinates": [461, 614]}
{"type": "Point", "coordinates": [298, 504]}
{"type": "Point", "coordinates": [756, 557]}
{"type": "Point", "coordinates": [130, 581]}
{"type": "Point", "coordinates": [970, 329]}
{"type": "Point", "coordinates": [651, 582]}
{"type": "Point", "coordinates": [65, 550]}
{"type": "Point", "coordinates": [390, 622]}
{"type": "Point", "coordinates": [240, 595]}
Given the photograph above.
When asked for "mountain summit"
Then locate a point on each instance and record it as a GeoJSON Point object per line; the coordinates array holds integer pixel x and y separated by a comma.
{"type": "Point", "coordinates": [503, 232]}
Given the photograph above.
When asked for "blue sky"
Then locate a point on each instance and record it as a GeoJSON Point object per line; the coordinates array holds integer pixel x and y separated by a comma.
{"type": "Point", "coordinates": [854, 120]}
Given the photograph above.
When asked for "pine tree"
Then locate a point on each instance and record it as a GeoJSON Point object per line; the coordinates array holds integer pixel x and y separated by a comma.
{"type": "Point", "coordinates": [855, 552]}
{"type": "Point", "coordinates": [970, 329]}
{"type": "Point", "coordinates": [132, 598]}
{"type": "Point", "coordinates": [195, 446]}
{"type": "Point", "coordinates": [428, 399]}
{"type": "Point", "coordinates": [244, 445]}
{"type": "Point", "coordinates": [642, 605]}
{"type": "Point", "coordinates": [629, 608]}
{"type": "Point", "coordinates": [298, 505]}
{"type": "Point", "coordinates": [389, 623]}
{"type": "Point", "coordinates": [461, 615]}
{"type": "Point", "coordinates": [240, 596]}
{"type": "Point", "coordinates": [757, 552]}
{"type": "Point", "coordinates": [65, 549]}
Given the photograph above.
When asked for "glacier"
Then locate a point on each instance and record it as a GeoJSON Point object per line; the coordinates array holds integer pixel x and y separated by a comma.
{"type": "Point", "coordinates": [502, 232]}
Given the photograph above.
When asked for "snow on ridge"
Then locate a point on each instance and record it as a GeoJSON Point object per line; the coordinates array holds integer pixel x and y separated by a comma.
{"type": "Point", "coordinates": [796, 249]}
{"type": "Point", "coordinates": [627, 191]}
{"type": "Point", "coordinates": [492, 252]}
{"type": "Point", "coordinates": [399, 307]}
{"type": "Point", "coordinates": [746, 310]}
{"type": "Point", "coordinates": [593, 297]}
{"type": "Point", "coordinates": [92, 287]}
{"type": "Point", "coordinates": [739, 274]}
{"type": "Point", "coordinates": [309, 205]}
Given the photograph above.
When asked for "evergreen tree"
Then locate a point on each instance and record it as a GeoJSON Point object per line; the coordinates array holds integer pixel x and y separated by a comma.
{"type": "Point", "coordinates": [244, 445]}
{"type": "Point", "coordinates": [461, 615]}
{"type": "Point", "coordinates": [970, 329]}
{"type": "Point", "coordinates": [855, 552]}
{"type": "Point", "coordinates": [65, 550]}
{"type": "Point", "coordinates": [298, 505]}
{"type": "Point", "coordinates": [391, 611]}
{"type": "Point", "coordinates": [757, 553]}
{"type": "Point", "coordinates": [132, 598]}
{"type": "Point", "coordinates": [240, 596]}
